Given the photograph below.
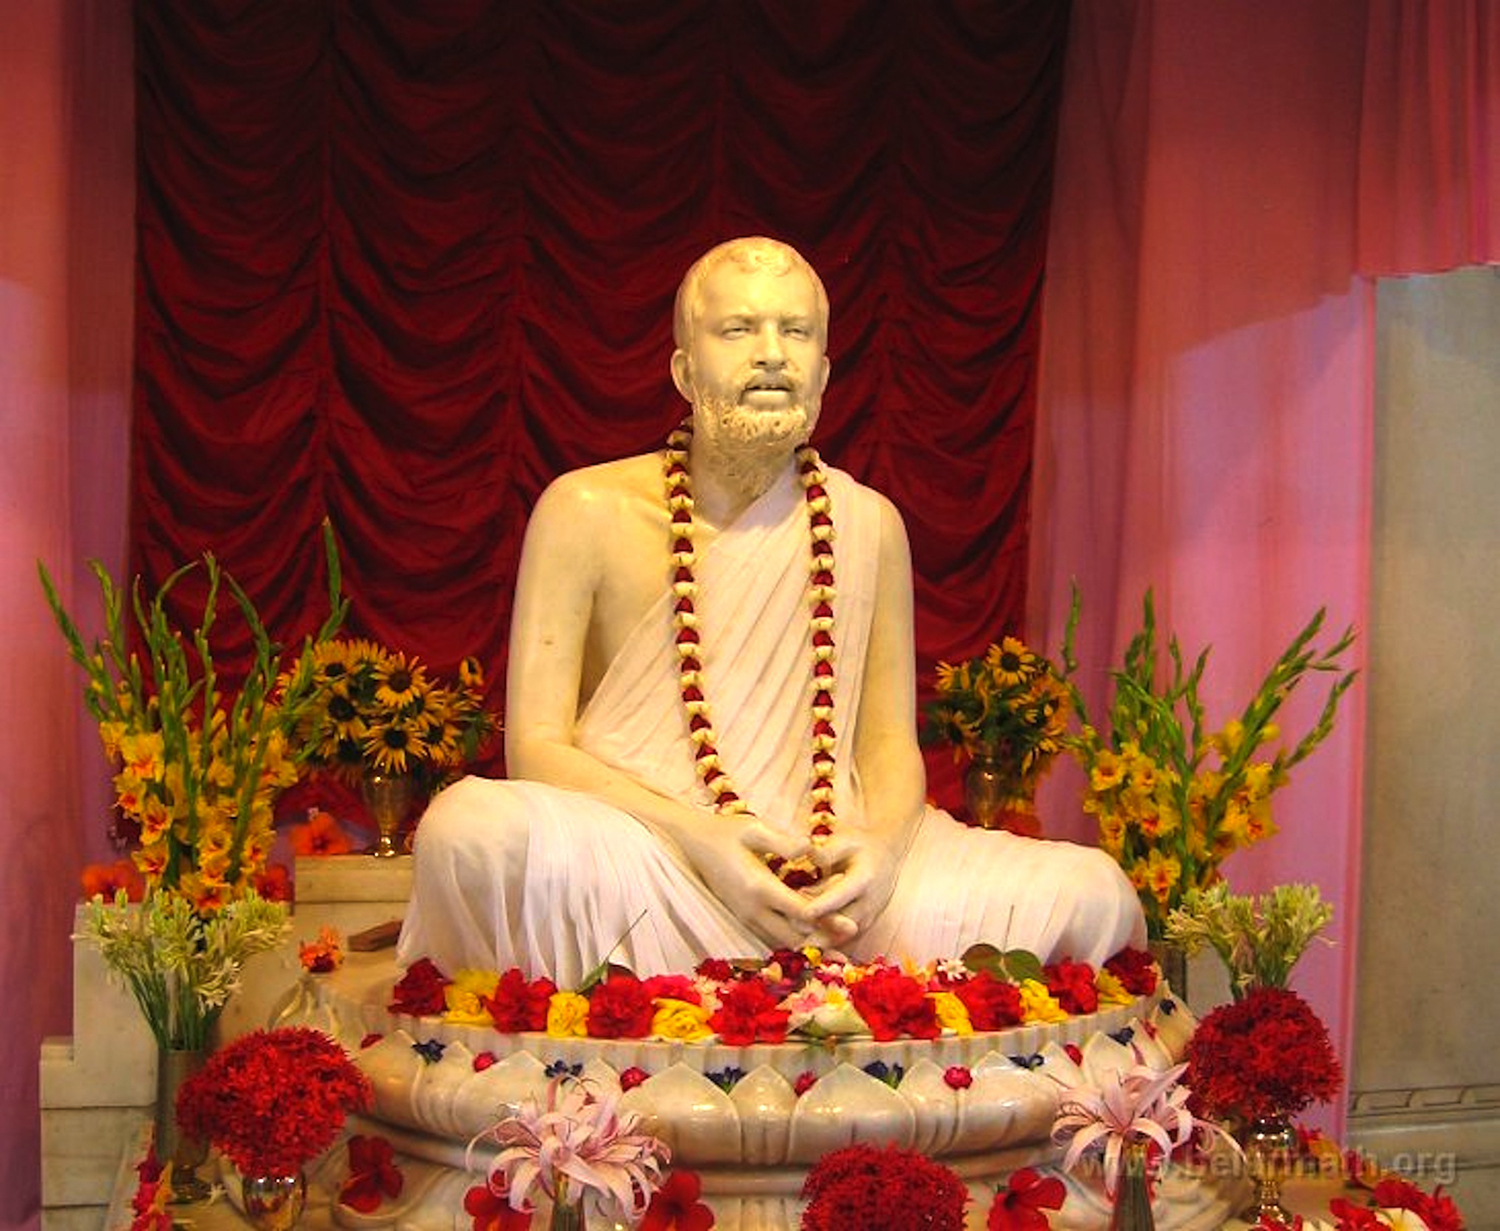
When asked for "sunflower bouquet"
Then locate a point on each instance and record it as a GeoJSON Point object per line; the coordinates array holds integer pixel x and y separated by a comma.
{"type": "Point", "coordinates": [382, 711]}
{"type": "Point", "coordinates": [1175, 798]}
{"type": "Point", "coordinates": [1009, 702]}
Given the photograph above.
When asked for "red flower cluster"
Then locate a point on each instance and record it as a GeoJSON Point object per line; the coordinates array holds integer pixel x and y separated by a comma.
{"type": "Point", "coordinates": [747, 1014]}
{"type": "Point", "coordinates": [1265, 1055]}
{"type": "Point", "coordinates": [419, 991]}
{"type": "Point", "coordinates": [865, 1188]}
{"type": "Point", "coordinates": [274, 1099]}
{"type": "Point", "coordinates": [1135, 969]}
{"type": "Point", "coordinates": [894, 1004]}
{"type": "Point", "coordinates": [517, 1005]}
{"type": "Point", "coordinates": [1072, 985]}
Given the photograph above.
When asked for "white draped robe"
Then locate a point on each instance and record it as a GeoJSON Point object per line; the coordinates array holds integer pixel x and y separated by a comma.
{"type": "Point", "coordinates": [515, 873]}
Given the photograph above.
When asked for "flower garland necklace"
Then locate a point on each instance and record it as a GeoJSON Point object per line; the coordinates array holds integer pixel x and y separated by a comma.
{"type": "Point", "coordinates": [803, 871]}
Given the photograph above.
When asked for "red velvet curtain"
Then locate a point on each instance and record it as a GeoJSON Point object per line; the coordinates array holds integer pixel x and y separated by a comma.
{"type": "Point", "coordinates": [402, 263]}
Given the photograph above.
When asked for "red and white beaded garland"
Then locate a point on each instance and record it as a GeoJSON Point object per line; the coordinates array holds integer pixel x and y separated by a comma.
{"type": "Point", "coordinates": [796, 873]}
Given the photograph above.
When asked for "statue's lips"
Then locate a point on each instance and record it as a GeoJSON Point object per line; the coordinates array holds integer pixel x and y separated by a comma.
{"type": "Point", "coordinates": [766, 395]}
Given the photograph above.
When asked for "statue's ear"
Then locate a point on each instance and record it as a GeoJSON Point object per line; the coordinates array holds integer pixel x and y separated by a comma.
{"type": "Point", "coordinates": [827, 372]}
{"type": "Point", "coordinates": [682, 373]}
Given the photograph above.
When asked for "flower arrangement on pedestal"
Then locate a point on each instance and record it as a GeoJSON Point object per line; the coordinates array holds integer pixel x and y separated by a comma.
{"type": "Point", "coordinates": [1175, 798]}
{"type": "Point", "coordinates": [1259, 939]}
{"type": "Point", "coordinates": [381, 710]}
{"type": "Point", "coordinates": [381, 722]}
{"type": "Point", "coordinates": [273, 1101]}
{"type": "Point", "coordinates": [1132, 1120]}
{"type": "Point", "coordinates": [1265, 1055]}
{"type": "Point", "coordinates": [198, 769]}
{"type": "Point", "coordinates": [580, 1151]}
{"type": "Point", "coordinates": [1006, 710]}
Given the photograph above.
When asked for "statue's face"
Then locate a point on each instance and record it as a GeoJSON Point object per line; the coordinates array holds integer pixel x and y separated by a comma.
{"type": "Point", "coordinates": [754, 366]}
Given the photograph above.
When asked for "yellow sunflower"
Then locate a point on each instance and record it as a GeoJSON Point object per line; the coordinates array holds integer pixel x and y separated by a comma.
{"type": "Point", "coordinates": [399, 681]}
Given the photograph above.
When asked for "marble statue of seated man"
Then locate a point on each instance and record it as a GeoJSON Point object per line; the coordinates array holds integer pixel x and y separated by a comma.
{"type": "Point", "coordinates": [711, 706]}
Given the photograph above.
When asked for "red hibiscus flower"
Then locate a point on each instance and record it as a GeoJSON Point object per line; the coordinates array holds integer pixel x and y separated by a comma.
{"type": "Point", "coordinates": [676, 1204]}
{"type": "Point", "coordinates": [894, 1004]}
{"type": "Point", "coordinates": [620, 1008]}
{"type": "Point", "coordinates": [107, 879]}
{"type": "Point", "coordinates": [748, 1013]}
{"type": "Point", "coordinates": [517, 1005]}
{"type": "Point", "coordinates": [1072, 983]}
{"type": "Point", "coordinates": [274, 883]}
{"type": "Point", "coordinates": [1135, 969]}
{"type": "Point", "coordinates": [491, 1211]}
{"type": "Point", "coordinates": [1019, 1206]}
{"type": "Point", "coordinates": [419, 992]}
{"type": "Point", "coordinates": [373, 1174]}
{"type": "Point", "coordinates": [993, 1004]}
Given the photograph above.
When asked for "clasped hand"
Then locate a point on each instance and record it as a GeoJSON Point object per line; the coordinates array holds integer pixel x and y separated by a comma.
{"type": "Point", "coordinates": [858, 874]}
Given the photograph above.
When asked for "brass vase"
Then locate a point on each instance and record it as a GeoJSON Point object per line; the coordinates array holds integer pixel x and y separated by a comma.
{"type": "Point", "coordinates": [995, 796]}
{"type": "Point", "coordinates": [186, 1154]}
{"type": "Point", "coordinates": [1270, 1145]}
{"type": "Point", "coordinates": [389, 798]}
{"type": "Point", "coordinates": [273, 1202]}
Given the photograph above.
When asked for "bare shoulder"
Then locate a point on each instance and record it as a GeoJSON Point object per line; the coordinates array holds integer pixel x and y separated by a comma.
{"type": "Point", "coordinates": [582, 502]}
{"type": "Point", "coordinates": [892, 525]}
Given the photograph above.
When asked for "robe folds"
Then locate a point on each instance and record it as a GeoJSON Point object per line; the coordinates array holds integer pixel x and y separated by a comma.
{"type": "Point", "coordinates": [515, 873]}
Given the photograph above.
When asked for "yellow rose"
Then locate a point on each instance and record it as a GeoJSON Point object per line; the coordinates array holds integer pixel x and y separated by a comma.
{"type": "Point", "coordinates": [568, 1016]}
{"type": "Point", "coordinates": [1039, 1005]}
{"type": "Point", "coordinates": [951, 1012]}
{"type": "Point", "coordinates": [679, 1020]}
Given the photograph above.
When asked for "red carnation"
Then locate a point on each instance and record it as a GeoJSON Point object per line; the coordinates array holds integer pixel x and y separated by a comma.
{"type": "Point", "coordinates": [620, 1008]}
{"type": "Point", "coordinates": [1135, 969]}
{"type": "Point", "coordinates": [993, 1004]}
{"type": "Point", "coordinates": [894, 1004]}
{"type": "Point", "coordinates": [747, 1014]}
{"type": "Point", "coordinates": [420, 990]}
{"type": "Point", "coordinates": [517, 1005]}
{"type": "Point", "coordinates": [673, 987]}
{"type": "Point", "coordinates": [1072, 983]}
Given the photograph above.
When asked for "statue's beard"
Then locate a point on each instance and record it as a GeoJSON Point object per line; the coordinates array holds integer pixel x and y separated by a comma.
{"type": "Point", "coordinates": [748, 448]}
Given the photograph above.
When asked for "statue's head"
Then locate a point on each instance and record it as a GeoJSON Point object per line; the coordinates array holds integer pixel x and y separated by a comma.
{"type": "Point", "coordinates": [751, 327]}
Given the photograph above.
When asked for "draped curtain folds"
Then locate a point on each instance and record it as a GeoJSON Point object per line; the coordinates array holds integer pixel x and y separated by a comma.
{"type": "Point", "coordinates": [400, 265]}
